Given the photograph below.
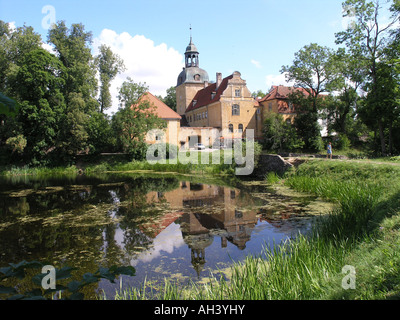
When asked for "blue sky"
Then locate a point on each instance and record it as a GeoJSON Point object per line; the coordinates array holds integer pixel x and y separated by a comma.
{"type": "Point", "coordinates": [254, 37]}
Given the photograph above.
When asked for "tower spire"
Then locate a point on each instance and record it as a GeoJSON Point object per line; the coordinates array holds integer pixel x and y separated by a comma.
{"type": "Point", "coordinates": [191, 33]}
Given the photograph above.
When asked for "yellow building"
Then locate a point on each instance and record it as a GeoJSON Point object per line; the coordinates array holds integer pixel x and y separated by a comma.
{"type": "Point", "coordinates": [164, 112]}
{"type": "Point", "coordinates": [277, 101]}
{"type": "Point", "coordinates": [226, 105]}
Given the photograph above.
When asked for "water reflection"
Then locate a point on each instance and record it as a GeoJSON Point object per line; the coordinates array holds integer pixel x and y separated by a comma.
{"type": "Point", "coordinates": [162, 226]}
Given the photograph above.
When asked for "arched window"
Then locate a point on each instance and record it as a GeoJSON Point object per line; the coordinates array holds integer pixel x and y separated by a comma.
{"type": "Point", "coordinates": [240, 128]}
{"type": "Point", "coordinates": [231, 128]}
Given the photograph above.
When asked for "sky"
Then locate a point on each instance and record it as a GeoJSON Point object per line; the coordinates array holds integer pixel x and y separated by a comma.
{"type": "Point", "coordinates": [255, 37]}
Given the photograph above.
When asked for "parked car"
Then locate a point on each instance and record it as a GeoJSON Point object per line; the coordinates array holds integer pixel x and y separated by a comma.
{"type": "Point", "coordinates": [199, 146]}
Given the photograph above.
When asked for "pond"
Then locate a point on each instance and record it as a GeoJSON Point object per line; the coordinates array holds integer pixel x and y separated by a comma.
{"type": "Point", "coordinates": [179, 227]}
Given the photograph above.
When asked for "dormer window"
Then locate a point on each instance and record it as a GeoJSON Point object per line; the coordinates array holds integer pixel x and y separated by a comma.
{"type": "Point", "coordinates": [194, 102]}
{"type": "Point", "coordinates": [213, 95]}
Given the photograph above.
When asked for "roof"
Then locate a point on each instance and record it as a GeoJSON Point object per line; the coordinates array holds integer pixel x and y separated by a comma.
{"type": "Point", "coordinates": [204, 97]}
{"type": "Point", "coordinates": [281, 92]}
{"type": "Point", "coordinates": [161, 109]}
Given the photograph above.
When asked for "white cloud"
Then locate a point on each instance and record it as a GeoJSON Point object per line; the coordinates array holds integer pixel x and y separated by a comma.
{"type": "Point", "coordinates": [156, 65]}
{"type": "Point", "coordinates": [276, 80]}
{"type": "Point", "coordinates": [167, 241]}
{"type": "Point", "coordinates": [256, 63]}
{"type": "Point", "coordinates": [12, 26]}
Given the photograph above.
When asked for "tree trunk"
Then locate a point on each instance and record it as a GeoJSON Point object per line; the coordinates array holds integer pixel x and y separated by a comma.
{"type": "Point", "coordinates": [390, 138]}
{"type": "Point", "coordinates": [382, 138]}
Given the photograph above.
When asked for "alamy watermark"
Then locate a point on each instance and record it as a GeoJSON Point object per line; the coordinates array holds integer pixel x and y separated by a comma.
{"type": "Point", "coordinates": [50, 17]}
{"type": "Point", "coordinates": [49, 280]}
{"type": "Point", "coordinates": [349, 281]}
{"type": "Point", "coordinates": [235, 149]}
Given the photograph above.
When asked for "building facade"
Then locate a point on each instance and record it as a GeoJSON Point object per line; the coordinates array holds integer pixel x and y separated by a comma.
{"type": "Point", "coordinates": [225, 105]}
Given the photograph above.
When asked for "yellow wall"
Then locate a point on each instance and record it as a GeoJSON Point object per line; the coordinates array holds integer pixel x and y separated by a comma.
{"type": "Point", "coordinates": [185, 94]}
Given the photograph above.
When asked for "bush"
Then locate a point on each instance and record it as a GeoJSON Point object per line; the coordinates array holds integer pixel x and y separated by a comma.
{"type": "Point", "coordinates": [342, 142]}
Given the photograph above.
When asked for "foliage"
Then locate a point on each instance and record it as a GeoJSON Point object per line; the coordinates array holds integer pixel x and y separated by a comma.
{"type": "Point", "coordinates": [70, 291]}
{"type": "Point", "coordinates": [16, 144]}
{"type": "Point", "coordinates": [109, 65]}
{"type": "Point", "coordinates": [170, 98]}
{"type": "Point", "coordinates": [134, 119]}
{"type": "Point", "coordinates": [280, 135]}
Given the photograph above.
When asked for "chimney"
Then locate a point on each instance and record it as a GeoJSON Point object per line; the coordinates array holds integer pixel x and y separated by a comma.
{"type": "Point", "coordinates": [219, 79]}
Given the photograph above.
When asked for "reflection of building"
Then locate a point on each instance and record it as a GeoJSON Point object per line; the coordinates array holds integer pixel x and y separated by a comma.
{"type": "Point", "coordinates": [208, 211]}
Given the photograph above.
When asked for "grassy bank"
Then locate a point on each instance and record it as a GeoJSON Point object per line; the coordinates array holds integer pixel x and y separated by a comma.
{"type": "Point", "coordinates": [362, 232]}
{"type": "Point", "coordinates": [188, 163]}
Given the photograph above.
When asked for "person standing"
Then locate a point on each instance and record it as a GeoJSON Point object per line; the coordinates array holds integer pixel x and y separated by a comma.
{"type": "Point", "coordinates": [329, 151]}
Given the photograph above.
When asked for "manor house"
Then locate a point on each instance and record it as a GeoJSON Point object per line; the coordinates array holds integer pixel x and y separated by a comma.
{"type": "Point", "coordinates": [215, 113]}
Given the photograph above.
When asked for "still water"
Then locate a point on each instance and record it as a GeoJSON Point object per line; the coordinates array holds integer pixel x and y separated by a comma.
{"type": "Point", "coordinates": [177, 227]}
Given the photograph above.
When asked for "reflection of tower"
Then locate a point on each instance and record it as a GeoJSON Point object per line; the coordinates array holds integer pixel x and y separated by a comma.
{"type": "Point", "coordinates": [197, 238]}
{"type": "Point", "coordinates": [198, 244]}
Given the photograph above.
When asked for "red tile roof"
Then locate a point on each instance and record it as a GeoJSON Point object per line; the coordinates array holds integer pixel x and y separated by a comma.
{"type": "Point", "coordinates": [204, 98]}
{"type": "Point", "coordinates": [161, 109]}
{"type": "Point", "coordinates": [281, 92]}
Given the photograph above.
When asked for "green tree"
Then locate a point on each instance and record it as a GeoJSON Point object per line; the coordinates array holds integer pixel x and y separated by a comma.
{"type": "Point", "coordinates": [73, 137]}
{"type": "Point", "coordinates": [42, 106]}
{"type": "Point", "coordinates": [170, 98]}
{"type": "Point", "coordinates": [313, 70]}
{"type": "Point", "coordinates": [366, 38]}
{"type": "Point", "coordinates": [134, 119]}
{"type": "Point", "coordinates": [279, 135]}
{"type": "Point", "coordinates": [72, 46]}
{"type": "Point", "coordinates": [109, 65]}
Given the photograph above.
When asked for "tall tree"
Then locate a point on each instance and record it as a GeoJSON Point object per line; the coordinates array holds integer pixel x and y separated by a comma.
{"type": "Point", "coordinates": [134, 119]}
{"type": "Point", "coordinates": [170, 98]}
{"type": "Point", "coordinates": [42, 103]}
{"type": "Point", "coordinates": [72, 46]}
{"type": "Point", "coordinates": [366, 37]}
{"type": "Point", "coordinates": [349, 76]}
{"type": "Point", "coordinates": [109, 65]}
{"type": "Point", "coordinates": [312, 70]}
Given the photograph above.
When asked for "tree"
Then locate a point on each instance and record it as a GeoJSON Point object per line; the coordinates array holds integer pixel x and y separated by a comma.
{"type": "Point", "coordinates": [72, 46]}
{"type": "Point", "coordinates": [279, 135]}
{"type": "Point", "coordinates": [312, 70]}
{"type": "Point", "coordinates": [349, 75]}
{"type": "Point", "coordinates": [109, 65]}
{"type": "Point", "coordinates": [367, 38]}
{"type": "Point", "coordinates": [42, 106]}
{"type": "Point", "coordinates": [170, 98]}
{"type": "Point", "coordinates": [74, 137]}
{"type": "Point", "coordinates": [134, 119]}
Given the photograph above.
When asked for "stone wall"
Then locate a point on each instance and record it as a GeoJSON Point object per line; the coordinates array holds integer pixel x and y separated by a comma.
{"type": "Point", "coordinates": [271, 163]}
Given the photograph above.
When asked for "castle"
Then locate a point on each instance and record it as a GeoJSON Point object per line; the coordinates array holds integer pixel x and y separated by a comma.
{"type": "Point", "coordinates": [214, 113]}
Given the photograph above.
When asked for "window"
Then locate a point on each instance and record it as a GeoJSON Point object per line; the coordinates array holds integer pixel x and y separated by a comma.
{"type": "Point", "coordinates": [236, 110]}
{"type": "Point", "coordinates": [158, 138]}
{"type": "Point", "coordinates": [206, 114]}
{"type": "Point", "coordinates": [270, 106]}
{"type": "Point", "coordinates": [258, 111]}
{"type": "Point", "coordinates": [231, 128]}
{"type": "Point", "coordinates": [290, 106]}
{"type": "Point", "coordinates": [240, 128]}
{"type": "Point", "coordinates": [237, 93]}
